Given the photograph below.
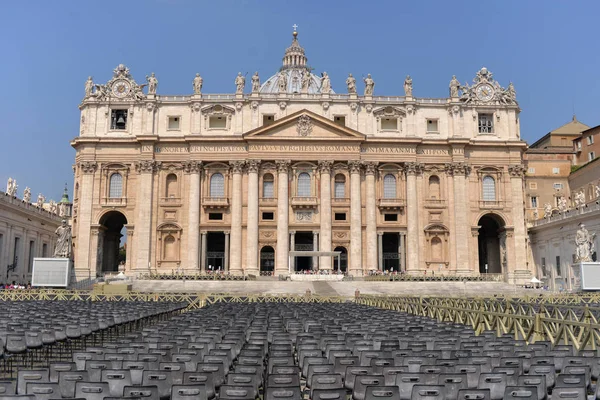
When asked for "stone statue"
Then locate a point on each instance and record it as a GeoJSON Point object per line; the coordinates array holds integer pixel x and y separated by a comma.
{"type": "Point", "coordinates": [562, 204]}
{"type": "Point", "coordinates": [547, 210]}
{"type": "Point", "coordinates": [27, 195]}
{"type": "Point", "coordinates": [511, 92]}
{"type": "Point", "coordinates": [282, 82]}
{"type": "Point", "coordinates": [306, 78]}
{"type": "Point", "coordinates": [63, 243]}
{"type": "Point", "coordinates": [53, 206]}
{"type": "Point", "coordinates": [255, 82]}
{"type": "Point", "coordinates": [408, 86]}
{"type": "Point", "coordinates": [585, 244]}
{"type": "Point", "coordinates": [197, 84]}
{"type": "Point", "coordinates": [579, 199]}
{"type": "Point", "coordinates": [152, 83]}
{"type": "Point", "coordinates": [351, 83]}
{"type": "Point", "coordinates": [89, 87]}
{"type": "Point", "coordinates": [240, 82]}
{"type": "Point", "coordinates": [62, 210]}
{"type": "Point", "coordinates": [11, 187]}
{"type": "Point", "coordinates": [454, 87]}
{"type": "Point", "coordinates": [325, 83]}
{"type": "Point", "coordinates": [40, 201]}
{"type": "Point", "coordinates": [369, 85]}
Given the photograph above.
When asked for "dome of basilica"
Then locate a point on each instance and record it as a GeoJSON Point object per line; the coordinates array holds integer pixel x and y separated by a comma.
{"type": "Point", "coordinates": [295, 74]}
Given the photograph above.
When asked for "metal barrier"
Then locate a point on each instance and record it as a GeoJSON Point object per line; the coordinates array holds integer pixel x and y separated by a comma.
{"type": "Point", "coordinates": [179, 276]}
{"type": "Point", "coordinates": [434, 278]}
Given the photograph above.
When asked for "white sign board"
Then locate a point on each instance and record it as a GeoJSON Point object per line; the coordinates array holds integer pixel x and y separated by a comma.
{"type": "Point", "coordinates": [589, 275]}
{"type": "Point", "coordinates": [54, 272]}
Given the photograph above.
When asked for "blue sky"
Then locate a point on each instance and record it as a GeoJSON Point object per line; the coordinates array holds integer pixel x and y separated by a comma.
{"type": "Point", "coordinates": [549, 49]}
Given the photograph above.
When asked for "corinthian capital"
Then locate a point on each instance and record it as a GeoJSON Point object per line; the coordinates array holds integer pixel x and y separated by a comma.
{"type": "Point", "coordinates": [458, 168]}
{"type": "Point", "coordinates": [516, 170]}
{"type": "Point", "coordinates": [325, 166]}
{"type": "Point", "coordinates": [192, 166]}
{"type": "Point", "coordinates": [88, 167]}
{"type": "Point", "coordinates": [354, 166]}
{"type": "Point", "coordinates": [253, 165]}
{"type": "Point", "coordinates": [147, 166]}
{"type": "Point", "coordinates": [282, 165]}
{"type": "Point", "coordinates": [413, 168]}
{"type": "Point", "coordinates": [370, 167]}
{"type": "Point", "coordinates": [237, 166]}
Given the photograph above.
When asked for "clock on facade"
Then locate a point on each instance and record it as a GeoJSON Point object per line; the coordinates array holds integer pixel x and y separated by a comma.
{"type": "Point", "coordinates": [121, 88]}
{"type": "Point", "coordinates": [485, 92]}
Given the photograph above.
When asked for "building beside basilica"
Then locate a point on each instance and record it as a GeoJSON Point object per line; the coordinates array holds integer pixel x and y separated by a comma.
{"type": "Point", "coordinates": [236, 181]}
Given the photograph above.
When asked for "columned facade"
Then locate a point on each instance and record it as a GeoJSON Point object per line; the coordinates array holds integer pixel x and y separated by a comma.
{"type": "Point", "coordinates": [233, 183]}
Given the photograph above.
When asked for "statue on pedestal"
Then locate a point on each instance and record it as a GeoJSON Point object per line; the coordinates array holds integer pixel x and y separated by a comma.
{"type": "Point", "coordinates": [63, 243]}
{"type": "Point", "coordinates": [27, 195]}
{"type": "Point", "coordinates": [579, 198]}
{"type": "Point", "coordinates": [240, 82]}
{"type": "Point", "coordinates": [53, 207]}
{"type": "Point", "coordinates": [305, 81]}
{"type": "Point", "coordinates": [89, 87]}
{"type": "Point", "coordinates": [11, 187]}
{"type": "Point", "coordinates": [152, 83]}
{"type": "Point", "coordinates": [585, 244]}
{"type": "Point", "coordinates": [40, 201]}
{"type": "Point", "coordinates": [369, 85]}
{"type": "Point", "coordinates": [325, 83]}
{"type": "Point", "coordinates": [562, 204]}
{"type": "Point", "coordinates": [547, 210]}
{"type": "Point", "coordinates": [197, 84]}
{"type": "Point", "coordinates": [536, 214]}
{"type": "Point", "coordinates": [454, 86]}
{"type": "Point", "coordinates": [408, 88]}
{"type": "Point", "coordinates": [255, 82]}
{"type": "Point", "coordinates": [282, 82]}
{"type": "Point", "coordinates": [351, 83]}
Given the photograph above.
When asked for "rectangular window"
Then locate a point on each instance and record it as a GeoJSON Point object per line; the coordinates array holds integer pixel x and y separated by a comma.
{"type": "Point", "coordinates": [579, 145]}
{"type": "Point", "coordinates": [31, 255]}
{"type": "Point", "coordinates": [534, 201]}
{"type": "Point", "coordinates": [486, 123]}
{"type": "Point", "coordinates": [215, 122]}
{"type": "Point", "coordinates": [543, 263]}
{"type": "Point", "coordinates": [390, 217]}
{"type": "Point", "coordinates": [590, 140]}
{"type": "Point", "coordinates": [268, 119]}
{"type": "Point", "coordinates": [558, 265]}
{"type": "Point", "coordinates": [591, 155]}
{"type": "Point", "coordinates": [45, 250]}
{"type": "Point", "coordinates": [531, 170]}
{"type": "Point", "coordinates": [389, 124]}
{"type": "Point", "coordinates": [555, 170]}
{"type": "Point", "coordinates": [268, 216]}
{"type": "Point", "coordinates": [532, 185]}
{"type": "Point", "coordinates": [118, 120]}
{"type": "Point", "coordinates": [268, 192]}
{"type": "Point", "coordinates": [340, 120]}
{"type": "Point", "coordinates": [432, 126]}
{"type": "Point", "coordinates": [215, 216]}
{"type": "Point", "coordinates": [173, 124]}
{"type": "Point", "coordinates": [558, 186]}
{"type": "Point", "coordinates": [340, 216]}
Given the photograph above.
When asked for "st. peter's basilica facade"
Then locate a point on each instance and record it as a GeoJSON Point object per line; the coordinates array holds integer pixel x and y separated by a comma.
{"type": "Point", "coordinates": [236, 181]}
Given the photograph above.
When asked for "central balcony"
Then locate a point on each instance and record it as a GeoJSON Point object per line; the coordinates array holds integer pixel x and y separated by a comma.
{"type": "Point", "coordinates": [391, 204]}
{"type": "Point", "coordinates": [435, 203]}
{"type": "Point", "coordinates": [170, 201]}
{"type": "Point", "coordinates": [114, 201]}
{"type": "Point", "coordinates": [304, 202]}
{"type": "Point", "coordinates": [215, 202]}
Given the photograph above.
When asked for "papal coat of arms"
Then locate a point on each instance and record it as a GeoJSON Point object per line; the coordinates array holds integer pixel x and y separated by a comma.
{"type": "Point", "coordinates": [304, 126]}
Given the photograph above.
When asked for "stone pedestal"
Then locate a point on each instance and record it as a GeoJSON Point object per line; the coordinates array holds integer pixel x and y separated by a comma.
{"type": "Point", "coordinates": [584, 276]}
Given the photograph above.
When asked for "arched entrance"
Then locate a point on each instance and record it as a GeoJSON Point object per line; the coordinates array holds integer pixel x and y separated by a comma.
{"type": "Point", "coordinates": [491, 244]}
{"type": "Point", "coordinates": [267, 260]}
{"type": "Point", "coordinates": [112, 251]}
{"type": "Point", "coordinates": [343, 259]}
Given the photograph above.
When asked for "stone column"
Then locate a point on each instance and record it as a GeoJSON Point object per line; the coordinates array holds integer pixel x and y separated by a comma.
{"type": "Point", "coordinates": [380, 252]}
{"type": "Point", "coordinates": [130, 247]}
{"type": "Point", "coordinates": [315, 259]}
{"type": "Point", "coordinates": [460, 171]}
{"type": "Point", "coordinates": [325, 213]}
{"type": "Point", "coordinates": [83, 268]}
{"type": "Point", "coordinates": [226, 255]}
{"type": "Point", "coordinates": [193, 168]}
{"type": "Point", "coordinates": [412, 216]}
{"type": "Point", "coordinates": [520, 234]}
{"type": "Point", "coordinates": [143, 222]}
{"type": "Point", "coordinates": [281, 264]}
{"type": "Point", "coordinates": [252, 222]}
{"type": "Point", "coordinates": [292, 248]}
{"type": "Point", "coordinates": [355, 219]}
{"type": "Point", "coordinates": [371, 215]}
{"type": "Point", "coordinates": [203, 253]}
{"type": "Point", "coordinates": [235, 258]}
{"type": "Point", "coordinates": [402, 252]}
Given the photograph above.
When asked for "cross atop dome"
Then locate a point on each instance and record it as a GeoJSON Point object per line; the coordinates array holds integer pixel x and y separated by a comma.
{"type": "Point", "coordinates": [294, 55]}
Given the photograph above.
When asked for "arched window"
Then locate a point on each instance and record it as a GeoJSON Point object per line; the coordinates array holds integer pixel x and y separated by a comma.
{"type": "Point", "coordinates": [434, 187]}
{"type": "Point", "coordinates": [217, 185]}
{"type": "Point", "coordinates": [115, 186]}
{"type": "Point", "coordinates": [340, 186]}
{"type": "Point", "coordinates": [389, 186]}
{"type": "Point", "coordinates": [268, 189]}
{"type": "Point", "coordinates": [171, 185]}
{"type": "Point", "coordinates": [304, 185]}
{"type": "Point", "coordinates": [170, 252]}
{"type": "Point", "coordinates": [436, 249]}
{"type": "Point", "coordinates": [489, 188]}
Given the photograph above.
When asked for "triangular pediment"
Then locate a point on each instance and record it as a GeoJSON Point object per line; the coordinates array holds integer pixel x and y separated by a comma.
{"type": "Point", "coordinates": [304, 125]}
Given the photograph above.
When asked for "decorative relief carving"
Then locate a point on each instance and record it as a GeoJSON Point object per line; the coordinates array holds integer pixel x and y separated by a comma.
{"type": "Point", "coordinates": [454, 110]}
{"type": "Point", "coordinates": [353, 106]}
{"type": "Point", "coordinates": [254, 105]}
{"type": "Point", "coordinates": [150, 106]}
{"type": "Point", "coordinates": [192, 166]}
{"type": "Point", "coordinates": [517, 170]}
{"type": "Point", "coordinates": [354, 166]}
{"type": "Point", "coordinates": [458, 168]}
{"type": "Point", "coordinates": [411, 109]}
{"type": "Point", "coordinates": [282, 165]}
{"type": "Point", "coordinates": [340, 235]}
{"type": "Point", "coordinates": [486, 90]}
{"type": "Point", "coordinates": [238, 106]}
{"type": "Point", "coordinates": [370, 167]}
{"type": "Point", "coordinates": [282, 105]}
{"type": "Point", "coordinates": [237, 166]}
{"type": "Point", "coordinates": [253, 165]}
{"type": "Point", "coordinates": [304, 126]}
{"type": "Point", "coordinates": [369, 108]}
{"type": "Point", "coordinates": [195, 107]}
{"type": "Point", "coordinates": [147, 166]}
{"type": "Point", "coordinates": [218, 110]}
{"type": "Point", "coordinates": [325, 166]}
{"type": "Point", "coordinates": [413, 168]}
{"type": "Point", "coordinates": [325, 105]}
{"type": "Point", "coordinates": [88, 167]}
{"type": "Point", "coordinates": [304, 216]}
{"type": "Point", "coordinates": [267, 234]}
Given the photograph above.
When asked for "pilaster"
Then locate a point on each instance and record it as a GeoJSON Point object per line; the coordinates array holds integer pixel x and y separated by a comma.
{"type": "Point", "coordinates": [355, 219]}
{"type": "Point", "coordinates": [325, 213]}
{"type": "Point", "coordinates": [283, 217]}
{"type": "Point", "coordinates": [236, 218]}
